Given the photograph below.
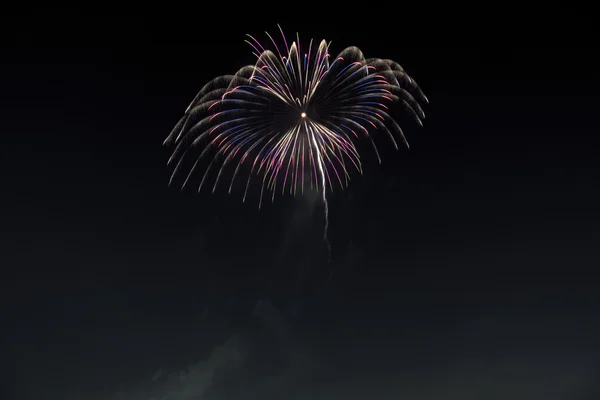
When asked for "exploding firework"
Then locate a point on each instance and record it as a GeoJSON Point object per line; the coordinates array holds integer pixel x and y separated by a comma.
{"type": "Point", "coordinates": [293, 119]}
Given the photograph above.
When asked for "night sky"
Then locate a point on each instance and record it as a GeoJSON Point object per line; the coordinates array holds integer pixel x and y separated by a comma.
{"type": "Point", "coordinates": [463, 268]}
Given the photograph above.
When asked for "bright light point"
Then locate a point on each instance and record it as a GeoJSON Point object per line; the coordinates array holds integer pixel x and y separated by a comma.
{"type": "Point", "coordinates": [303, 115]}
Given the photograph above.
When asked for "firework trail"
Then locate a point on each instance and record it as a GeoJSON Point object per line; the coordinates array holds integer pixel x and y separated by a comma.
{"type": "Point", "coordinates": [293, 119]}
{"type": "Point", "coordinates": [323, 196]}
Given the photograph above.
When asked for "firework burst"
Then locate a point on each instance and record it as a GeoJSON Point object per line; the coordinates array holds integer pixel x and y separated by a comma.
{"type": "Point", "coordinates": [293, 119]}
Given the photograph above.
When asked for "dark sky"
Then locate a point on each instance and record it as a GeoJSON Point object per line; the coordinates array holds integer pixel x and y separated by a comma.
{"type": "Point", "coordinates": [469, 262]}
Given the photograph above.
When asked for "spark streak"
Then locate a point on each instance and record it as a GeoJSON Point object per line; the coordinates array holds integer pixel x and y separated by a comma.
{"type": "Point", "coordinates": [323, 194]}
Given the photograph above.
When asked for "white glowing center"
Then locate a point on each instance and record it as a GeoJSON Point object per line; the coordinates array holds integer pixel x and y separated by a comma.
{"type": "Point", "coordinates": [303, 115]}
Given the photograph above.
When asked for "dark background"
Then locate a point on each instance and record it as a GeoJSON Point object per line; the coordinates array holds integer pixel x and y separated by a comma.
{"type": "Point", "coordinates": [471, 257]}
